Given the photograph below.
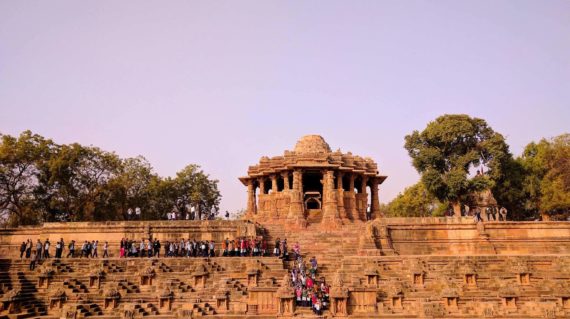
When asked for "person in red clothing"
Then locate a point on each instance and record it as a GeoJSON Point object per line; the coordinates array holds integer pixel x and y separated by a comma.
{"type": "Point", "coordinates": [242, 247]}
{"type": "Point", "coordinates": [310, 283]}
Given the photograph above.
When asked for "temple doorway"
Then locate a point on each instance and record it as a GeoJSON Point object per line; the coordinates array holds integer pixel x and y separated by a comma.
{"type": "Point", "coordinates": [312, 196]}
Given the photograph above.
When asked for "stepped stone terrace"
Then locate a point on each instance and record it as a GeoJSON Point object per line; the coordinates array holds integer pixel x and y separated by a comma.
{"type": "Point", "coordinates": [382, 268]}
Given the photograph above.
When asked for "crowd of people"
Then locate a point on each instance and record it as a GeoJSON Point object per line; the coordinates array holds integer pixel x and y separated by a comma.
{"type": "Point", "coordinates": [241, 246]}
{"type": "Point", "coordinates": [310, 291]}
{"type": "Point", "coordinates": [41, 250]}
{"type": "Point", "coordinates": [490, 213]}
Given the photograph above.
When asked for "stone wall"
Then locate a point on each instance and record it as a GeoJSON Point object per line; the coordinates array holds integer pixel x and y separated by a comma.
{"type": "Point", "coordinates": [113, 232]}
{"type": "Point", "coordinates": [461, 236]}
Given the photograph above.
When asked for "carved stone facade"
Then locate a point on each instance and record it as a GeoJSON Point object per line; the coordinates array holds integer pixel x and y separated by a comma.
{"type": "Point", "coordinates": [387, 267]}
{"type": "Point", "coordinates": [313, 184]}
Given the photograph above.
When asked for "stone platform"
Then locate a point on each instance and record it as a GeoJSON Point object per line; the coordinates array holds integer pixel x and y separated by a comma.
{"type": "Point", "coordinates": [389, 268]}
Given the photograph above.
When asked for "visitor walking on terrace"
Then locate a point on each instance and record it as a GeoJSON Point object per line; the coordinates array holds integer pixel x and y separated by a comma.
{"type": "Point", "coordinates": [276, 251]}
{"type": "Point", "coordinates": [39, 248]}
{"type": "Point", "coordinates": [106, 250]}
{"type": "Point", "coordinates": [71, 248]}
{"type": "Point", "coordinates": [22, 250]}
{"type": "Point", "coordinates": [94, 246]}
{"type": "Point", "coordinates": [29, 245]}
{"type": "Point", "coordinates": [33, 261]}
{"type": "Point", "coordinates": [46, 249]}
{"type": "Point", "coordinates": [58, 249]}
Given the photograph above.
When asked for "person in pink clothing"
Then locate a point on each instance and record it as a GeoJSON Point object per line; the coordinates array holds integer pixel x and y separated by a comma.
{"type": "Point", "coordinates": [297, 250]}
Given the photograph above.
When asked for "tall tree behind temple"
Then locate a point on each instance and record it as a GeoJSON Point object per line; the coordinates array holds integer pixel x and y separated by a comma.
{"type": "Point", "coordinates": [448, 148]}
{"type": "Point", "coordinates": [20, 162]}
{"type": "Point", "coordinates": [415, 201]}
{"type": "Point", "coordinates": [42, 181]}
{"type": "Point", "coordinates": [546, 183]}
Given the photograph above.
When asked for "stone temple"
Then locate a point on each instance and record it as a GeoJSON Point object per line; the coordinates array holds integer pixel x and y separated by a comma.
{"type": "Point", "coordinates": [381, 268]}
{"type": "Point", "coordinates": [312, 183]}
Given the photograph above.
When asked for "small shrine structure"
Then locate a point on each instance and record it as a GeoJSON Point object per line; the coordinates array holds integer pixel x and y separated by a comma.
{"type": "Point", "coordinates": [312, 184]}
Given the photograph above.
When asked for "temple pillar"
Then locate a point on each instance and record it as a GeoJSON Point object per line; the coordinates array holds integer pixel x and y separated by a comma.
{"type": "Point", "coordinates": [340, 196]}
{"type": "Point", "coordinates": [363, 198]}
{"type": "Point", "coordinates": [296, 208]}
{"type": "Point", "coordinates": [250, 198]}
{"type": "Point", "coordinates": [273, 183]}
{"type": "Point", "coordinates": [273, 198]}
{"type": "Point", "coordinates": [375, 204]}
{"type": "Point", "coordinates": [352, 196]}
{"type": "Point", "coordinates": [285, 176]}
{"type": "Point", "coordinates": [331, 216]}
{"type": "Point", "coordinates": [261, 198]}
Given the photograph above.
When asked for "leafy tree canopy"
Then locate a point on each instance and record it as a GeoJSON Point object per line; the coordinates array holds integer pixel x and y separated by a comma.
{"type": "Point", "coordinates": [546, 184]}
{"type": "Point", "coordinates": [448, 148]}
{"type": "Point", "coordinates": [415, 201]}
{"type": "Point", "coordinates": [43, 181]}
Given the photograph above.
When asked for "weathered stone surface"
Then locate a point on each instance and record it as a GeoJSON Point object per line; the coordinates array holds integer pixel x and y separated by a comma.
{"type": "Point", "coordinates": [387, 267]}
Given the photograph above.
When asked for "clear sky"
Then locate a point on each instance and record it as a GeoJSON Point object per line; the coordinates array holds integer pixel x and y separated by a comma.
{"type": "Point", "coordinates": [222, 83]}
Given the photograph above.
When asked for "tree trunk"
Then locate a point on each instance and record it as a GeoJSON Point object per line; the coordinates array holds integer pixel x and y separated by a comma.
{"type": "Point", "coordinates": [544, 216]}
{"type": "Point", "coordinates": [456, 209]}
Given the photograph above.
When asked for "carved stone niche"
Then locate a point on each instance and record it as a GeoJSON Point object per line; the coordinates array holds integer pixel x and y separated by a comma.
{"type": "Point", "coordinates": [165, 300]}
{"type": "Point", "coordinates": [510, 302]}
{"type": "Point", "coordinates": [371, 276]}
{"type": "Point", "coordinates": [523, 270]}
{"type": "Point", "coordinates": [222, 297]}
{"type": "Point", "coordinates": [339, 297]}
{"type": "Point", "coordinates": [146, 276]}
{"type": "Point", "coordinates": [509, 297]}
{"type": "Point", "coordinates": [252, 277]}
{"type": "Point", "coordinates": [95, 278]}
{"type": "Point", "coordinates": [470, 280]}
{"type": "Point", "coordinates": [469, 271]}
{"type": "Point", "coordinates": [418, 278]}
{"type": "Point", "coordinates": [45, 276]}
{"type": "Point", "coordinates": [418, 269]}
{"type": "Point", "coordinates": [565, 302]}
{"type": "Point", "coordinates": [56, 299]}
{"type": "Point", "coordinates": [11, 301]}
{"type": "Point", "coordinates": [200, 274]}
{"type": "Point", "coordinates": [524, 278]}
{"type": "Point", "coordinates": [222, 303]}
{"type": "Point", "coordinates": [450, 298]}
{"type": "Point", "coordinates": [286, 296]}
{"type": "Point", "coordinates": [398, 301]}
{"type": "Point", "coordinates": [112, 297]}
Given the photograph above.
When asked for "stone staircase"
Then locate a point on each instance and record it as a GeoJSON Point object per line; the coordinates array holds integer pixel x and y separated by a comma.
{"type": "Point", "coordinates": [72, 276]}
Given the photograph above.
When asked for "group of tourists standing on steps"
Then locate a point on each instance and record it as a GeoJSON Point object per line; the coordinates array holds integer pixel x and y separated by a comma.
{"type": "Point", "coordinates": [310, 291]}
{"type": "Point", "coordinates": [42, 250]}
{"type": "Point", "coordinates": [244, 247]}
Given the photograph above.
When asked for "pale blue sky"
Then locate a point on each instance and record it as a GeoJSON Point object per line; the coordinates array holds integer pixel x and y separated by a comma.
{"type": "Point", "coordinates": [221, 83]}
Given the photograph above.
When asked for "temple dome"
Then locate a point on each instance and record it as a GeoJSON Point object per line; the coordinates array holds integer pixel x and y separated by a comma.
{"type": "Point", "coordinates": [312, 144]}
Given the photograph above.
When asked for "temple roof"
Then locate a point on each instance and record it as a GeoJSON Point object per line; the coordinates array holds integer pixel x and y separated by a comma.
{"type": "Point", "coordinates": [312, 144]}
{"type": "Point", "coordinates": [313, 152]}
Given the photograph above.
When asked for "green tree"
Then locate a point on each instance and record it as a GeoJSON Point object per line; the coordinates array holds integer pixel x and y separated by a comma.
{"type": "Point", "coordinates": [547, 176]}
{"type": "Point", "coordinates": [20, 159]}
{"type": "Point", "coordinates": [448, 148]}
{"type": "Point", "coordinates": [194, 187]}
{"type": "Point", "coordinates": [415, 201]}
{"type": "Point", "coordinates": [82, 176]}
{"type": "Point", "coordinates": [132, 183]}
